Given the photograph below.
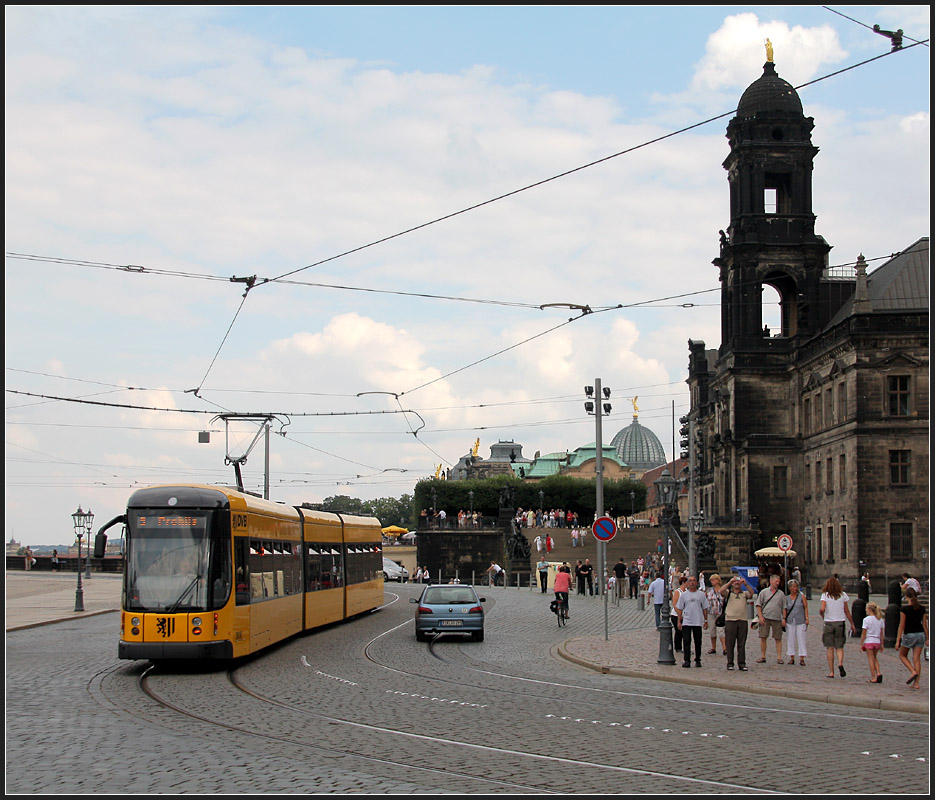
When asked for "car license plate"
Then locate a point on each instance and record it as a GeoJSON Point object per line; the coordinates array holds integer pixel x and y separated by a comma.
{"type": "Point", "coordinates": [451, 623]}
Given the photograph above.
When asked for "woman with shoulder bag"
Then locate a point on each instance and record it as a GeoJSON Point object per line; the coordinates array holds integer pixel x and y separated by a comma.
{"type": "Point", "coordinates": [796, 623]}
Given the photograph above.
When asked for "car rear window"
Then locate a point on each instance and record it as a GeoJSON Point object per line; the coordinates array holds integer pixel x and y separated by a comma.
{"type": "Point", "coordinates": [453, 596]}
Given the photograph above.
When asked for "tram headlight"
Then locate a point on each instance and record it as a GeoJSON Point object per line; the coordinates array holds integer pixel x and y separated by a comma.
{"type": "Point", "coordinates": [135, 622]}
{"type": "Point", "coordinates": [196, 621]}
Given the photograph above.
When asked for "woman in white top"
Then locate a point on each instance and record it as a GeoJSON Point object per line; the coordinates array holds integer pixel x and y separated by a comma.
{"type": "Point", "coordinates": [834, 612]}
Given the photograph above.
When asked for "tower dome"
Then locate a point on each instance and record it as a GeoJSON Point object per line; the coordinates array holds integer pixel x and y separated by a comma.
{"type": "Point", "coordinates": [769, 93]}
{"type": "Point", "coordinates": [639, 447]}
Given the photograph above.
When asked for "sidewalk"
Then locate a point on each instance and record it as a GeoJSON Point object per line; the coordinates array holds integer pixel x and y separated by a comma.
{"type": "Point", "coordinates": [41, 598]}
{"type": "Point", "coordinates": [635, 653]}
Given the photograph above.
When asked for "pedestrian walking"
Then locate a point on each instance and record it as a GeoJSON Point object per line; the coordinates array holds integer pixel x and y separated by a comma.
{"type": "Point", "coordinates": [736, 594]}
{"type": "Point", "coordinates": [693, 617]}
{"type": "Point", "coordinates": [871, 641]}
{"type": "Point", "coordinates": [796, 623]}
{"type": "Point", "coordinates": [715, 612]}
{"type": "Point", "coordinates": [29, 559]}
{"type": "Point", "coordinates": [771, 617]}
{"type": "Point", "coordinates": [620, 573]}
{"type": "Point", "coordinates": [834, 612]}
{"type": "Point", "coordinates": [657, 589]}
{"type": "Point", "coordinates": [913, 635]}
{"type": "Point", "coordinates": [674, 613]}
{"type": "Point", "coordinates": [587, 573]}
{"type": "Point", "coordinates": [543, 569]}
{"type": "Point", "coordinates": [55, 563]}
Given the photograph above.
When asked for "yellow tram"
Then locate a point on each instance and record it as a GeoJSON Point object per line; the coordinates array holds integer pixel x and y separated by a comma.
{"type": "Point", "coordinates": [215, 573]}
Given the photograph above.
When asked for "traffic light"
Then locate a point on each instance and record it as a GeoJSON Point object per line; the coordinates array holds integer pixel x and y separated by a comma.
{"type": "Point", "coordinates": [684, 433]}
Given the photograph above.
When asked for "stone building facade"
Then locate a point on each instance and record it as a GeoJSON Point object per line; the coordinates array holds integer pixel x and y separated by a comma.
{"type": "Point", "coordinates": [819, 429]}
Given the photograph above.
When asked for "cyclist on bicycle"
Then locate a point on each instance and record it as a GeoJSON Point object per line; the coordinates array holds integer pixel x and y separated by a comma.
{"type": "Point", "coordinates": [562, 586]}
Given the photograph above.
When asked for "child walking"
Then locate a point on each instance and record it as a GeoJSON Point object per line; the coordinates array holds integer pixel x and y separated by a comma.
{"type": "Point", "coordinates": [871, 640]}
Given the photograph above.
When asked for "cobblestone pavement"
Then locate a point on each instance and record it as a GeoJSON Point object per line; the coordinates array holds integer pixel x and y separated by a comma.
{"type": "Point", "coordinates": [363, 708]}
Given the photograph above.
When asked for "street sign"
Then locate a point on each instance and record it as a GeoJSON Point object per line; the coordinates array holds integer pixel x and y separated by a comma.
{"type": "Point", "coordinates": [604, 529]}
{"type": "Point", "coordinates": [784, 542]}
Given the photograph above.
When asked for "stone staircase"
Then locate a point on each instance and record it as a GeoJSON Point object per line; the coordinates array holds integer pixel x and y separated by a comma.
{"type": "Point", "coordinates": [630, 545]}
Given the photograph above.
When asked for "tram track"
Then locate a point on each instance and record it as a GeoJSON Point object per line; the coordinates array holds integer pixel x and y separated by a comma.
{"type": "Point", "coordinates": [479, 779]}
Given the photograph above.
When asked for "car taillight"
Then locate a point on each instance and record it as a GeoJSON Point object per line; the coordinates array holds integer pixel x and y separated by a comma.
{"type": "Point", "coordinates": [476, 610]}
{"type": "Point", "coordinates": [424, 610]}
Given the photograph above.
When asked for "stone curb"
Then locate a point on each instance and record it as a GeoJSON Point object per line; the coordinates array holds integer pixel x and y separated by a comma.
{"type": "Point", "coordinates": [906, 706]}
{"type": "Point", "coordinates": [62, 619]}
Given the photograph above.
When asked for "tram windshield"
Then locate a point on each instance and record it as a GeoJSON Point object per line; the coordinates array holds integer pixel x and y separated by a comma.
{"type": "Point", "coordinates": [175, 562]}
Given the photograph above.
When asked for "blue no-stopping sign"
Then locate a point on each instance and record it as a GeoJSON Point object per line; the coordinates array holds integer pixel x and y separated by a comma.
{"type": "Point", "coordinates": [604, 529]}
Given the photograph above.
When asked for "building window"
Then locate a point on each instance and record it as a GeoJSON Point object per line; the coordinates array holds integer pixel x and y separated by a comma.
{"type": "Point", "coordinates": [829, 476]}
{"type": "Point", "coordinates": [899, 467]}
{"type": "Point", "coordinates": [818, 538]}
{"type": "Point", "coordinates": [808, 480]}
{"type": "Point", "coordinates": [842, 401]}
{"type": "Point", "coordinates": [830, 543]}
{"type": "Point", "coordinates": [897, 387]}
{"type": "Point", "coordinates": [780, 482]}
{"type": "Point", "coordinates": [901, 541]}
{"type": "Point", "coordinates": [769, 200]}
{"type": "Point", "coordinates": [842, 473]}
{"type": "Point", "coordinates": [807, 416]}
{"type": "Point", "coordinates": [817, 478]}
{"type": "Point", "coordinates": [817, 411]}
{"type": "Point", "coordinates": [829, 408]}
{"type": "Point", "coordinates": [843, 530]}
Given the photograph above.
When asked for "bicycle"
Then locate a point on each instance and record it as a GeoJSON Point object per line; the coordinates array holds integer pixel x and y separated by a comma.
{"type": "Point", "coordinates": [560, 608]}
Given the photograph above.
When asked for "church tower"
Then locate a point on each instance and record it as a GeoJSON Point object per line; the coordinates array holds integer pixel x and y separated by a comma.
{"type": "Point", "coordinates": [771, 237]}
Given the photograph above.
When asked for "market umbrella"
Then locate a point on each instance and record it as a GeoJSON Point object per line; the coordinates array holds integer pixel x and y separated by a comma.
{"type": "Point", "coordinates": [394, 530]}
{"type": "Point", "coordinates": [410, 535]}
{"type": "Point", "coordinates": [773, 552]}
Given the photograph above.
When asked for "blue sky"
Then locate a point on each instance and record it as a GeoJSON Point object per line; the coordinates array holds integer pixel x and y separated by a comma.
{"type": "Point", "coordinates": [203, 143]}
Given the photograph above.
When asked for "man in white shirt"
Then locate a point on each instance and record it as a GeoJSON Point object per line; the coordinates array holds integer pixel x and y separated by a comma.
{"type": "Point", "coordinates": [693, 616]}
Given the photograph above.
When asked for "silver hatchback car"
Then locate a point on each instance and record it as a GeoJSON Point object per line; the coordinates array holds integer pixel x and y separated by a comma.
{"type": "Point", "coordinates": [449, 608]}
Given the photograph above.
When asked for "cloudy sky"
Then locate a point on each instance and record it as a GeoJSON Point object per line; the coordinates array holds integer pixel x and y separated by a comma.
{"type": "Point", "coordinates": [152, 154]}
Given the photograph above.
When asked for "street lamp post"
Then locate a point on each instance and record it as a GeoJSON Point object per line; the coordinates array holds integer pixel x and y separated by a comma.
{"type": "Point", "coordinates": [88, 526]}
{"type": "Point", "coordinates": [632, 512]}
{"type": "Point", "coordinates": [666, 487]}
{"type": "Point", "coordinates": [80, 522]}
{"type": "Point", "coordinates": [471, 495]}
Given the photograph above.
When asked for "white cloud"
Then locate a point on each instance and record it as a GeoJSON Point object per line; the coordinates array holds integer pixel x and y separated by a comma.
{"type": "Point", "coordinates": [737, 50]}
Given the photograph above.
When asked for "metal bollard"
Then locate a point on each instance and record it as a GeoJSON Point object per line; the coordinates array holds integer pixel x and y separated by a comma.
{"type": "Point", "coordinates": [642, 602]}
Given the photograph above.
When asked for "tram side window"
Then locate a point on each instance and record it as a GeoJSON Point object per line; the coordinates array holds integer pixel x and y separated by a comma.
{"type": "Point", "coordinates": [292, 567]}
{"type": "Point", "coordinates": [242, 571]}
{"type": "Point", "coordinates": [312, 567]}
{"type": "Point", "coordinates": [332, 566]}
{"type": "Point", "coordinates": [261, 570]}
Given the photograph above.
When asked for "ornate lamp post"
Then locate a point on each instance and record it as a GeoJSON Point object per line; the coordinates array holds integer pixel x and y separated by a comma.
{"type": "Point", "coordinates": [632, 512]}
{"type": "Point", "coordinates": [471, 496]}
{"type": "Point", "coordinates": [80, 520]}
{"type": "Point", "coordinates": [88, 526]}
{"type": "Point", "coordinates": [666, 489]}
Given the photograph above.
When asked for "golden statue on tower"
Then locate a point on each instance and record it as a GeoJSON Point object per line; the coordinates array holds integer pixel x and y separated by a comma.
{"type": "Point", "coordinates": [635, 407]}
{"type": "Point", "coordinates": [769, 51]}
{"type": "Point", "coordinates": [475, 448]}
